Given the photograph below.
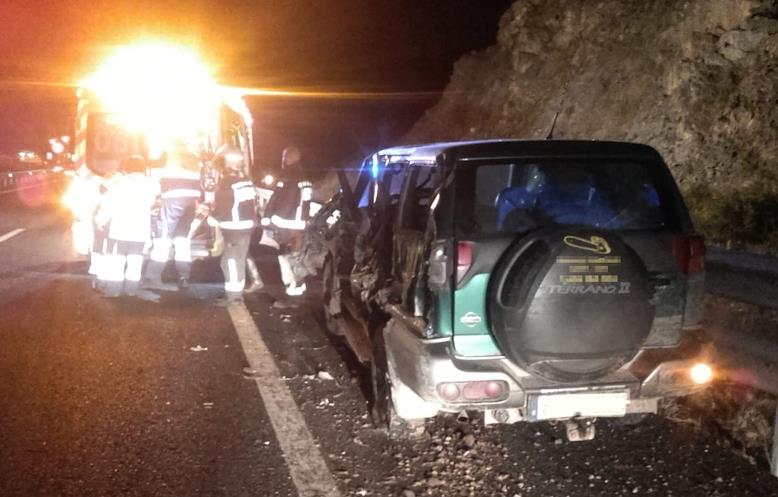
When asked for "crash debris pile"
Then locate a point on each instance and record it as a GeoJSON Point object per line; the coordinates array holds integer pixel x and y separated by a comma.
{"type": "Point", "coordinates": [695, 79]}
{"type": "Point", "coordinates": [454, 458]}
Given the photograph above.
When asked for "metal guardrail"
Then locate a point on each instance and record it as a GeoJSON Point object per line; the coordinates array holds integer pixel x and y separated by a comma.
{"type": "Point", "coordinates": [743, 276]}
{"type": "Point", "coordinates": [750, 278]}
{"type": "Point", "coordinates": [11, 181]}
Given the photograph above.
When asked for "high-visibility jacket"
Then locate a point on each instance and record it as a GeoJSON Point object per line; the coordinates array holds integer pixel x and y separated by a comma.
{"type": "Point", "coordinates": [127, 206]}
{"type": "Point", "coordinates": [82, 197]}
{"type": "Point", "coordinates": [235, 203]}
{"type": "Point", "coordinates": [290, 205]}
{"type": "Point", "coordinates": [176, 182]}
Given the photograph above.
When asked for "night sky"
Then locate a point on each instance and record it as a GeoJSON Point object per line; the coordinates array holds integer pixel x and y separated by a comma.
{"type": "Point", "coordinates": [323, 45]}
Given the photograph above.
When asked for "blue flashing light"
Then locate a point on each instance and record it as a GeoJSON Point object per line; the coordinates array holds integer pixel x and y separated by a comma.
{"type": "Point", "coordinates": [374, 167]}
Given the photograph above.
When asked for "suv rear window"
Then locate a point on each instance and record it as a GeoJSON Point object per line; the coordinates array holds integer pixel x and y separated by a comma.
{"type": "Point", "coordinates": [600, 193]}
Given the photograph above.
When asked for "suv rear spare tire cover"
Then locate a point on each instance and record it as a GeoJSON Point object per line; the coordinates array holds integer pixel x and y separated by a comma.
{"type": "Point", "coordinates": [571, 305]}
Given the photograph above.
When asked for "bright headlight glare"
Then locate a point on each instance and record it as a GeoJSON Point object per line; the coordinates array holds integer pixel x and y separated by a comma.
{"type": "Point", "coordinates": [701, 373]}
{"type": "Point", "coordinates": [269, 179]}
{"type": "Point", "coordinates": [159, 89]}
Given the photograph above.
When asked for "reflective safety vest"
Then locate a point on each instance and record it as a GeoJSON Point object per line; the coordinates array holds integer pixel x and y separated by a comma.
{"type": "Point", "coordinates": [177, 182]}
{"type": "Point", "coordinates": [290, 206]}
{"type": "Point", "coordinates": [126, 205]}
{"type": "Point", "coordinates": [235, 203]}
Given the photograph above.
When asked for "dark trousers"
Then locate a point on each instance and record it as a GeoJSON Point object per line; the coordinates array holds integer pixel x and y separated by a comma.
{"type": "Point", "coordinates": [233, 262]}
{"type": "Point", "coordinates": [176, 218]}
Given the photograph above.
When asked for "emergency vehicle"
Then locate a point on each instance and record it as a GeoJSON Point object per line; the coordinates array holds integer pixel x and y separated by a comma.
{"type": "Point", "coordinates": [144, 100]}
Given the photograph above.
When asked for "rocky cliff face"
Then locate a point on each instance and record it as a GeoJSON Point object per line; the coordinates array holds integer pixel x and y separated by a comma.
{"type": "Point", "coordinates": [698, 80]}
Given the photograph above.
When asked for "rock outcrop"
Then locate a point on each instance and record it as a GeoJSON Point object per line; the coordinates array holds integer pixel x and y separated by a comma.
{"type": "Point", "coordinates": [698, 80]}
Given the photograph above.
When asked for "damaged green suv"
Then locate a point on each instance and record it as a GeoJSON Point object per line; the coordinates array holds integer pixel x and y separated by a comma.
{"type": "Point", "coordinates": [529, 280]}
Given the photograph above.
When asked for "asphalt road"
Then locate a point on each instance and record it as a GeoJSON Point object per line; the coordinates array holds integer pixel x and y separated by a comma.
{"type": "Point", "coordinates": [102, 397]}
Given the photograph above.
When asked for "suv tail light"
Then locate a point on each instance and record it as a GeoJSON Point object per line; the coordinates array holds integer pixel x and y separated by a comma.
{"type": "Point", "coordinates": [464, 259]}
{"type": "Point", "coordinates": [473, 391]}
{"type": "Point", "coordinates": [689, 252]}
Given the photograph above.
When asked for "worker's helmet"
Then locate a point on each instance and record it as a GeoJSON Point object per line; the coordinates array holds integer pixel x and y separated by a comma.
{"type": "Point", "coordinates": [290, 157]}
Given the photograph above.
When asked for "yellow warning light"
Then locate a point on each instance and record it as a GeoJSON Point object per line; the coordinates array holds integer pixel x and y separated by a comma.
{"type": "Point", "coordinates": [701, 373]}
{"type": "Point", "coordinates": [162, 90]}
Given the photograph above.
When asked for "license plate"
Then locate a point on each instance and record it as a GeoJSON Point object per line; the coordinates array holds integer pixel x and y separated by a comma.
{"type": "Point", "coordinates": [580, 404]}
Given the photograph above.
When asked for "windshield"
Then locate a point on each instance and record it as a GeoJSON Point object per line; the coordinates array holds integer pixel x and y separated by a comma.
{"type": "Point", "coordinates": [521, 196]}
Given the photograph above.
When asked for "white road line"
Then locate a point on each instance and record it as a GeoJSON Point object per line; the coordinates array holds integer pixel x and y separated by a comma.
{"type": "Point", "coordinates": [12, 234]}
{"type": "Point", "coordinates": [306, 465]}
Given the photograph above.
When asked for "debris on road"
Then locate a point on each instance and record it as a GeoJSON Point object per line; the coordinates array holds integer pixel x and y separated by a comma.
{"type": "Point", "coordinates": [435, 482]}
{"type": "Point", "coordinates": [208, 405]}
{"type": "Point", "coordinates": [250, 373]}
{"type": "Point", "coordinates": [321, 375]}
{"type": "Point", "coordinates": [324, 375]}
{"type": "Point", "coordinates": [198, 348]}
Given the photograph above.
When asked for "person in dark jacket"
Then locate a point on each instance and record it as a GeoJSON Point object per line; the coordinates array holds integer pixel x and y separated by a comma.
{"type": "Point", "coordinates": [235, 210]}
{"type": "Point", "coordinates": [286, 215]}
{"type": "Point", "coordinates": [179, 186]}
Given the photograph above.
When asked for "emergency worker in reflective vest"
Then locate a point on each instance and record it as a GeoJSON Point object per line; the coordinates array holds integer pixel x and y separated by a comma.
{"type": "Point", "coordinates": [179, 186]}
{"type": "Point", "coordinates": [235, 210]}
{"type": "Point", "coordinates": [286, 215]}
{"type": "Point", "coordinates": [83, 197]}
{"type": "Point", "coordinates": [125, 212]}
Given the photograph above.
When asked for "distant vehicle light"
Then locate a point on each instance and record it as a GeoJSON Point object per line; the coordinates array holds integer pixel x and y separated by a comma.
{"type": "Point", "coordinates": [57, 147]}
{"type": "Point", "coordinates": [268, 180]}
{"type": "Point", "coordinates": [701, 373]}
{"type": "Point", "coordinates": [26, 155]}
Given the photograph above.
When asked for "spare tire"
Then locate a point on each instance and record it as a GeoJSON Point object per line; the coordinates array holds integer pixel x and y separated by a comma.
{"type": "Point", "coordinates": [570, 305]}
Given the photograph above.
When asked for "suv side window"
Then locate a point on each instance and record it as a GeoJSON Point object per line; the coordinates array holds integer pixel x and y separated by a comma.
{"type": "Point", "coordinates": [410, 237]}
{"type": "Point", "coordinates": [388, 176]}
{"type": "Point", "coordinates": [420, 183]}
